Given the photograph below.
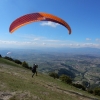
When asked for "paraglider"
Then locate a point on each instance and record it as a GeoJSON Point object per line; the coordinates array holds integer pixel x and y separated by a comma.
{"type": "Point", "coordinates": [34, 69]}
{"type": "Point", "coordinates": [35, 17]}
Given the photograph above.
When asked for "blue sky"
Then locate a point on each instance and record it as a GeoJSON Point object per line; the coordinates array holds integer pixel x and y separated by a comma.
{"type": "Point", "coordinates": [83, 16]}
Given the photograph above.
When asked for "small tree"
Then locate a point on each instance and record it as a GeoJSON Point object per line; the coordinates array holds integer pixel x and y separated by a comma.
{"type": "Point", "coordinates": [66, 79]}
{"type": "Point", "coordinates": [24, 64]}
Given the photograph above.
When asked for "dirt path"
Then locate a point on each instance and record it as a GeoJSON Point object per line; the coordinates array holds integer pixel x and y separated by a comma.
{"type": "Point", "coordinates": [72, 93]}
{"type": "Point", "coordinates": [6, 95]}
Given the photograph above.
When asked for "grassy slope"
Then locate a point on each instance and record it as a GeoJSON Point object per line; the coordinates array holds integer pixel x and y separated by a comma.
{"type": "Point", "coordinates": [16, 83]}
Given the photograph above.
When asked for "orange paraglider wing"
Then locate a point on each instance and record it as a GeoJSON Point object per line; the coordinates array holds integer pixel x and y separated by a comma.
{"type": "Point", "coordinates": [34, 17]}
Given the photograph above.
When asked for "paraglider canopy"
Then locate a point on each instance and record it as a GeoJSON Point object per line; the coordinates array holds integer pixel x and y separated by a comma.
{"type": "Point", "coordinates": [34, 17]}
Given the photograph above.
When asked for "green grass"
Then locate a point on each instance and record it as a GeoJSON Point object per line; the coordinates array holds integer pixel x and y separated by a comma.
{"type": "Point", "coordinates": [18, 80]}
{"type": "Point", "coordinates": [5, 61]}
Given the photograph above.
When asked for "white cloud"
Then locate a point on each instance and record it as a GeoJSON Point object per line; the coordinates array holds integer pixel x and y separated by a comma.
{"type": "Point", "coordinates": [88, 39]}
{"type": "Point", "coordinates": [90, 45]}
{"type": "Point", "coordinates": [98, 40]}
{"type": "Point", "coordinates": [35, 39]}
{"type": "Point", "coordinates": [44, 42]}
{"type": "Point", "coordinates": [7, 42]}
{"type": "Point", "coordinates": [49, 23]}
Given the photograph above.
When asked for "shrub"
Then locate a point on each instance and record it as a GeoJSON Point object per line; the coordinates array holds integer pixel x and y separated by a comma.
{"type": "Point", "coordinates": [8, 58]}
{"type": "Point", "coordinates": [24, 64]}
{"type": "Point", "coordinates": [66, 79]}
{"type": "Point", "coordinates": [79, 86]}
{"type": "Point", "coordinates": [97, 91]}
{"type": "Point", "coordinates": [17, 61]}
{"type": "Point", "coordinates": [54, 75]}
{"type": "Point", "coordinates": [90, 91]}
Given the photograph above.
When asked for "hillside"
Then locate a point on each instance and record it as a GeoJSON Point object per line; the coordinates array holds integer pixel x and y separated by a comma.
{"type": "Point", "coordinates": [16, 83]}
{"type": "Point", "coordinates": [81, 64]}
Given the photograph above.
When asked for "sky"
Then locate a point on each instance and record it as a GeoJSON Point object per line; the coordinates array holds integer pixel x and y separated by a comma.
{"type": "Point", "coordinates": [83, 16]}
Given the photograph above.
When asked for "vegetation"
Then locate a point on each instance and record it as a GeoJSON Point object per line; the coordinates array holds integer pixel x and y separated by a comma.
{"type": "Point", "coordinates": [66, 79]}
{"type": "Point", "coordinates": [66, 72]}
{"type": "Point", "coordinates": [54, 75]}
{"type": "Point", "coordinates": [97, 91]}
{"type": "Point", "coordinates": [16, 75]}
{"type": "Point", "coordinates": [85, 84]}
{"type": "Point", "coordinates": [79, 86]}
{"type": "Point", "coordinates": [24, 64]}
{"type": "Point", "coordinates": [79, 67]}
{"type": "Point", "coordinates": [17, 61]}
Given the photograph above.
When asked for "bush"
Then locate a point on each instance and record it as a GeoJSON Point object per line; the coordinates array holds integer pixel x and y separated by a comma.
{"type": "Point", "coordinates": [17, 61]}
{"type": "Point", "coordinates": [79, 86]}
{"type": "Point", "coordinates": [97, 91]}
{"type": "Point", "coordinates": [8, 58]}
{"type": "Point", "coordinates": [66, 72]}
{"type": "Point", "coordinates": [90, 91]}
{"type": "Point", "coordinates": [66, 79]}
{"type": "Point", "coordinates": [54, 75]}
{"type": "Point", "coordinates": [24, 64]}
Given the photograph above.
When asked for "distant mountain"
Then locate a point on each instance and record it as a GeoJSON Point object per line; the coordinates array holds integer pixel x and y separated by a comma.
{"type": "Point", "coordinates": [85, 50]}
{"type": "Point", "coordinates": [93, 51]}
